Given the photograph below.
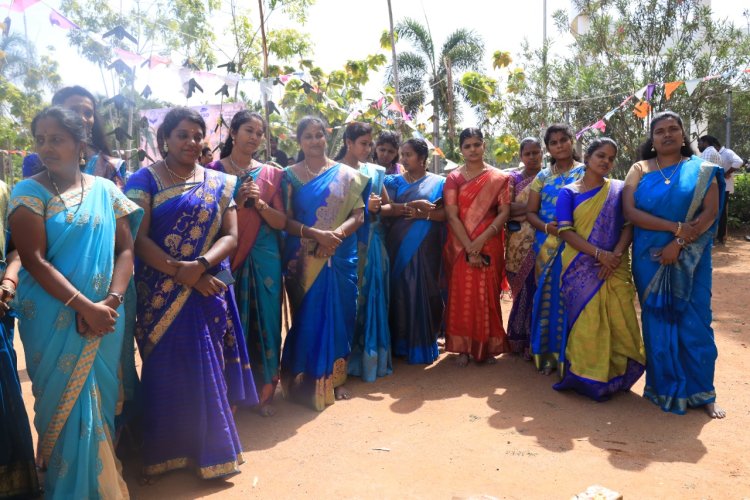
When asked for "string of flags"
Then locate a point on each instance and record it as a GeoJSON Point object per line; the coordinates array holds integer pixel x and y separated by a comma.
{"type": "Point", "coordinates": [643, 95]}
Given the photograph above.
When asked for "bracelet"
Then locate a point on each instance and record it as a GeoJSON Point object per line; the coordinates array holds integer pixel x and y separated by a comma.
{"type": "Point", "coordinates": [597, 253]}
{"type": "Point", "coordinates": [681, 242]}
{"type": "Point", "coordinates": [301, 227]}
{"type": "Point", "coordinates": [11, 291]}
{"type": "Point", "coordinates": [204, 262]}
{"type": "Point", "coordinates": [497, 231]}
{"type": "Point", "coordinates": [15, 283]}
{"type": "Point", "coordinates": [261, 205]}
{"type": "Point", "coordinates": [343, 232]}
{"type": "Point", "coordinates": [546, 228]}
{"type": "Point", "coordinates": [679, 228]}
{"type": "Point", "coordinates": [78, 292]}
{"type": "Point", "coordinates": [428, 215]}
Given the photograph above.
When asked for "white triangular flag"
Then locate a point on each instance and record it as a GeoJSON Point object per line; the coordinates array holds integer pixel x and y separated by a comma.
{"type": "Point", "coordinates": [640, 92]}
{"type": "Point", "coordinates": [691, 84]}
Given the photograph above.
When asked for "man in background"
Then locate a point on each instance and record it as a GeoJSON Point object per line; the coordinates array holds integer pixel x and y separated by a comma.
{"type": "Point", "coordinates": [206, 156]}
{"type": "Point", "coordinates": [712, 150]}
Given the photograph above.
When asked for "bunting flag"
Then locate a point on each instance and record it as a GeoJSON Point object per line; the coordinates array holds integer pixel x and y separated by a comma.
{"type": "Point", "coordinates": [600, 125]}
{"type": "Point", "coordinates": [57, 19]}
{"type": "Point", "coordinates": [641, 109]}
{"type": "Point", "coordinates": [640, 93]}
{"type": "Point", "coordinates": [450, 165]}
{"type": "Point", "coordinates": [439, 152]}
{"type": "Point", "coordinates": [650, 90]}
{"type": "Point", "coordinates": [128, 56]}
{"type": "Point", "coordinates": [690, 85]}
{"type": "Point", "coordinates": [610, 114]}
{"type": "Point", "coordinates": [154, 61]}
{"type": "Point", "coordinates": [19, 5]}
{"type": "Point", "coordinates": [670, 87]}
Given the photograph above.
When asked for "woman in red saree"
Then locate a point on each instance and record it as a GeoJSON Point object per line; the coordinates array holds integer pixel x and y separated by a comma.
{"type": "Point", "coordinates": [477, 204]}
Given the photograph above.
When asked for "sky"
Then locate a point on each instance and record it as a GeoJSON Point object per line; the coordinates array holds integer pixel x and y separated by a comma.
{"type": "Point", "coordinates": [340, 30]}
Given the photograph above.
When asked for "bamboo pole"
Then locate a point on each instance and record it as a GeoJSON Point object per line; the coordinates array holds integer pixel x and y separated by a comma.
{"type": "Point", "coordinates": [265, 77]}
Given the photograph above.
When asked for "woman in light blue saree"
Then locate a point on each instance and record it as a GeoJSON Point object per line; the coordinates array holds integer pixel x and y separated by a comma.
{"type": "Point", "coordinates": [325, 205]}
{"type": "Point", "coordinates": [74, 234]}
{"type": "Point", "coordinates": [672, 197]}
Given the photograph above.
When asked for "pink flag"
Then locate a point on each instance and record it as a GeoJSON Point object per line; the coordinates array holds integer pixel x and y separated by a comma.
{"type": "Point", "coordinates": [128, 56]}
{"type": "Point", "coordinates": [19, 5]}
{"type": "Point", "coordinates": [285, 78]}
{"type": "Point", "coordinates": [600, 125]}
{"type": "Point", "coordinates": [57, 19]}
{"type": "Point", "coordinates": [394, 106]}
{"type": "Point", "coordinates": [154, 61]}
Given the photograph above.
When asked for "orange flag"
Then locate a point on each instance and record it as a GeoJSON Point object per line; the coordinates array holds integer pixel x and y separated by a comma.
{"type": "Point", "coordinates": [670, 87]}
{"type": "Point", "coordinates": [641, 109]}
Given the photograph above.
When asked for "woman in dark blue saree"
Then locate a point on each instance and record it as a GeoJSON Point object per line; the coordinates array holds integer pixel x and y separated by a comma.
{"type": "Point", "coordinates": [672, 197]}
{"type": "Point", "coordinates": [195, 362]}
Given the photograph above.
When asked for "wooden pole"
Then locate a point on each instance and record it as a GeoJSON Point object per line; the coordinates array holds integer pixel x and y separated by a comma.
{"type": "Point", "coordinates": [265, 77]}
{"type": "Point", "coordinates": [393, 54]}
{"type": "Point", "coordinates": [451, 116]}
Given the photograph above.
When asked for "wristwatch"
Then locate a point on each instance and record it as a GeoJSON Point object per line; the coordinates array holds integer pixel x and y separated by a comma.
{"type": "Point", "coordinates": [680, 241]}
{"type": "Point", "coordinates": [204, 262]}
{"type": "Point", "coordinates": [120, 297]}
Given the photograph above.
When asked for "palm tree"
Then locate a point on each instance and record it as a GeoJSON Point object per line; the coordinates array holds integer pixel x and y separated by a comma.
{"type": "Point", "coordinates": [15, 56]}
{"type": "Point", "coordinates": [422, 70]}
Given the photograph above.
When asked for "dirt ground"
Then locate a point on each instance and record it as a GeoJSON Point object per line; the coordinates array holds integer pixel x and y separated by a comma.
{"type": "Point", "coordinates": [496, 431]}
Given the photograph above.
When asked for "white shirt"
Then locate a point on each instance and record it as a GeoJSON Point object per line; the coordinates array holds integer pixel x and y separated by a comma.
{"type": "Point", "coordinates": [730, 162]}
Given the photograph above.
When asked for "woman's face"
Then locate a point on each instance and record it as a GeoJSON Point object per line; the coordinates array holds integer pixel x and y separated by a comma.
{"type": "Point", "coordinates": [248, 137]}
{"type": "Point", "coordinates": [386, 154]}
{"type": "Point", "coordinates": [56, 147]}
{"type": "Point", "coordinates": [83, 107]}
{"type": "Point", "coordinates": [667, 136]}
{"type": "Point", "coordinates": [602, 160]}
{"type": "Point", "coordinates": [472, 150]}
{"type": "Point", "coordinates": [531, 156]}
{"type": "Point", "coordinates": [560, 146]}
{"type": "Point", "coordinates": [313, 141]}
{"type": "Point", "coordinates": [185, 143]}
{"type": "Point", "coordinates": [360, 147]}
{"type": "Point", "coordinates": [410, 159]}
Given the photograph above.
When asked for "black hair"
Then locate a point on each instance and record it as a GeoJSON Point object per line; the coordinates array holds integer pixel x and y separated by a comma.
{"type": "Point", "coordinates": [597, 144]}
{"type": "Point", "coordinates": [353, 131]}
{"type": "Point", "coordinates": [419, 146]}
{"type": "Point", "coordinates": [306, 122]}
{"type": "Point", "coordinates": [565, 129]}
{"type": "Point", "coordinates": [98, 139]}
{"type": "Point", "coordinates": [646, 151]}
{"type": "Point", "coordinates": [172, 120]}
{"type": "Point", "coordinates": [67, 119]}
{"type": "Point", "coordinates": [239, 119]}
{"type": "Point", "coordinates": [387, 137]}
{"type": "Point", "coordinates": [526, 141]}
{"type": "Point", "coordinates": [205, 150]}
{"type": "Point", "coordinates": [711, 141]}
{"type": "Point", "coordinates": [468, 133]}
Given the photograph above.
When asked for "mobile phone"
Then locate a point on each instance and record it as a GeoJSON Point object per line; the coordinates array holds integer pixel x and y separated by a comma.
{"type": "Point", "coordinates": [225, 276]}
{"type": "Point", "coordinates": [250, 202]}
{"type": "Point", "coordinates": [514, 226]}
{"type": "Point", "coordinates": [438, 203]}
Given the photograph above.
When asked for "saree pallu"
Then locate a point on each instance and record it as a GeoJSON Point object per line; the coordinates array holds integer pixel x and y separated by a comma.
{"type": "Point", "coordinates": [548, 320]}
{"type": "Point", "coordinates": [194, 360]}
{"type": "Point", "coordinates": [676, 299]}
{"type": "Point", "coordinates": [258, 284]}
{"type": "Point", "coordinates": [474, 323]}
{"type": "Point", "coordinates": [371, 343]}
{"type": "Point", "coordinates": [113, 169]}
{"type": "Point", "coordinates": [416, 310]}
{"type": "Point", "coordinates": [74, 378]}
{"type": "Point", "coordinates": [602, 352]}
{"type": "Point", "coordinates": [322, 292]}
{"type": "Point", "coordinates": [519, 268]}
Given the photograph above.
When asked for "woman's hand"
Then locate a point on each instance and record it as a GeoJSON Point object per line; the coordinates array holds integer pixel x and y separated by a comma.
{"type": "Point", "coordinates": [476, 261]}
{"type": "Point", "coordinates": [248, 190]}
{"type": "Point", "coordinates": [99, 318]}
{"type": "Point", "coordinates": [209, 286]}
{"type": "Point", "coordinates": [670, 254]}
{"type": "Point", "coordinates": [373, 204]}
{"type": "Point", "coordinates": [7, 292]}
{"type": "Point", "coordinates": [421, 205]}
{"type": "Point", "coordinates": [327, 239]}
{"type": "Point", "coordinates": [552, 228]}
{"type": "Point", "coordinates": [609, 260]}
{"type": "Point", "coordinates": [690, 231]}
{"type": "Point", "coordinates": [4, 308]}
{"type": "Point", "coordinates": [475, 246]}
{"type": "Point", "coordinates": [188, 273]}
{"type": "Point", "coordinates": [323, 252]}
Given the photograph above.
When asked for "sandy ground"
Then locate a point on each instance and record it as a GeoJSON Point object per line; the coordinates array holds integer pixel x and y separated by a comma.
{"type": "Point", "coordinates": [500, 431]}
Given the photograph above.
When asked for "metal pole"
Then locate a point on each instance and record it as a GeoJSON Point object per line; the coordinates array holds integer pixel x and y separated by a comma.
{"type": "Point", "coordinates": [544, 63]}
{"type": "Point", "coordinates": [729, 119]}
{"type": "Point", "coordinates": [393, 53]}
{"type": "Point", "coordinates": [265, 77]}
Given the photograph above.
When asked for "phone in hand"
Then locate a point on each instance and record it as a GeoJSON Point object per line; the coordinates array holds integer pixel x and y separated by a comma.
{"type": "Point", "coordinates": [250, 202]}
{"type": "Point", "coordinates": [225, 276]}
{"type": "Point", "coordinates": [438, 203]}
{"type": "Point", "coordinates": [514, 226]}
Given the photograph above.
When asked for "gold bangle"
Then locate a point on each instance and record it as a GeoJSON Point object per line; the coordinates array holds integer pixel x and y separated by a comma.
{"type": "Point", "coordinates": [301, 227]}
{"type": "Point", "coordinates": [261, 206]}
{"type": "Point", "coordinates": [546, 228]}
{"type": "Point", "coordinates": [497, 231]}
{"type": "Point", "coordinates": [679, 228]}
{"type": "Point", "coordinates": [343, 232]}
{"type": "Point", "coordinates": [78, 292]}
{"type": "Point", "coordinates": [428, 215]}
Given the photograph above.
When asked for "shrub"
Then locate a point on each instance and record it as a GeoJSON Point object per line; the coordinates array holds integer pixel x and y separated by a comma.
{"type": "Point", "coordinates": [739, 206]}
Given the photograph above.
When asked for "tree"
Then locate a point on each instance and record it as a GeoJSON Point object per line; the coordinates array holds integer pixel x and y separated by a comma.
{"type": "Point", "coordinates": [422, 71]}
{"type": "Point", "coordinates": [628, 45]}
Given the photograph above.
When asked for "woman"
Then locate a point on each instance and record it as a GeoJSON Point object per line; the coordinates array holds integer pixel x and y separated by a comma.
{"type": "Point", "coordinates": [257, 262]}
{"type": "Point", "coordinates": [386, 153]}
{"type": "Point", "coordinates": [413, 240]}
{"type": "Point", "coordinates": [74, 235]}
{"type": "Point", "coordinates": [519, 250]}
{"type": "Point", "coordinates": [371, 343]}
{"type": "Point", "coordinates": [548, 321]}
{"type": "Point", "coordinates": [672, 197]}
{"type": "Point", "coordinates": [603, 352]}
{"type": "Point", "coordinates": [17, 470]}
{"type": "Point", "coordinates": [477, 205]}
{"type": "Point", "coordinates": [97, 158]}
{"type": "Point", "coordinates": [188, 330]}
{"type": "Point", "coordinates": [325, 204]}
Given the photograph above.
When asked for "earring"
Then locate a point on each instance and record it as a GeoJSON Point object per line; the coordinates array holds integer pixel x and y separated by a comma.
{"type": "Point", "coordinates": [166, 148]}
{"type": "Point", "coordinates": [653, 150]}
{"type": "Point", "coordinates": [683, 143]}
{"type": "Point", "coordinates": [82, 160]}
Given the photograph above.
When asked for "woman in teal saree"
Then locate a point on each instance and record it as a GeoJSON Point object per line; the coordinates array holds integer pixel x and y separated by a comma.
{"type": "Point", "coordinates": [74, 234]}
{"type": "Point", "coordinates": [672, 197]}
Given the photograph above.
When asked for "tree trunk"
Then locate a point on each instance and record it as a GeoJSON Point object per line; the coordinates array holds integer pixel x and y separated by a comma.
{"type": "Point", "coordinates": [265, 76]}
{"type": "Point", "coordinates": [435, 125]}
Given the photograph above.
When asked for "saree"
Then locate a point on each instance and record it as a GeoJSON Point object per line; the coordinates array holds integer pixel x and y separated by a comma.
{"type": "Point", "coordinates": [676, 299]}
{"type": "Point", "coordinates": [371, 343]}
{"type": "Point", "coordinates": [17, 469]}
{"type": "Point", "coordinates": [473, 319]}
{"type": "Point", "coordinates": [322, 291]}
{"type": "Point", "coordinates": [74, 378]}
{"type": "Point", "coordinates": [519, 268]}
{"type": "Point", "coordinates": [416, 310]}
{"type": "Point", "coordinates": [194, 361]}
{"type": "Point", "coordinates": [602, 352]}
{"type": "Point", "coordinates": [99, 165]}
{"type": "Point", "coordinates": [256, 266]}
{"type": "Point", "coordinates": [548, 319]}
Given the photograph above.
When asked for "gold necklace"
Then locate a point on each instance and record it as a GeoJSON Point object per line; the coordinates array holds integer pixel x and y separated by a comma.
{"type": "Point", "coordinates": [239, 169]}
{"type": "Point", "coordinates": [668, 180]}
{"type": "Point", "coordinates": [314, 174]}
{"type": "Point", "coordinates": [68, 216]}
{"type": "Point", "coordinates": [174, 174]}
{"type": "Point", "coordinates": [411, 179]}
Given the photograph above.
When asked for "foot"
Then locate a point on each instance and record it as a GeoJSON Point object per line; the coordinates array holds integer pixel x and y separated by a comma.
{"type": "Point", "coordinates": [266, 410]}
{"type": "Point", "coordinates": [342, 392]}
{"type": "Point", "coordinates": [462, 360]}
{"type": "Point", "coordinates": [715, 411]}
{"type": "Point", "coordinates": [547, 370]}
